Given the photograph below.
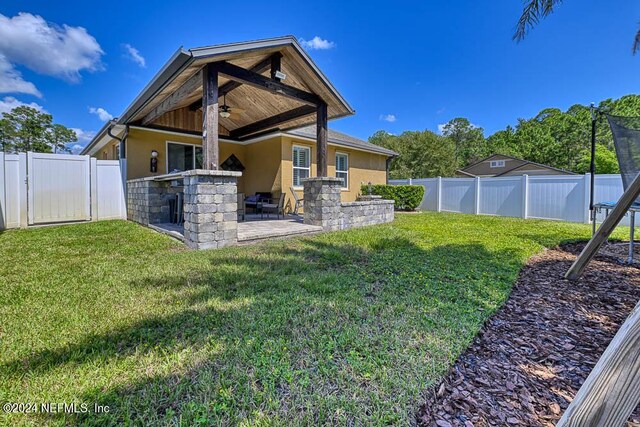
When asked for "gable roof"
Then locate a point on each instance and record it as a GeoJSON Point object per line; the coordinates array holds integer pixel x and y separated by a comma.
{"type": "Point", "coordinates": [300, 69]}
{"type": "Point", "coordinates": [182, 70]}
{"type": "Point", "coordinates": [521, 163]}
{"type": "Point", "coordinates": [342, 139]}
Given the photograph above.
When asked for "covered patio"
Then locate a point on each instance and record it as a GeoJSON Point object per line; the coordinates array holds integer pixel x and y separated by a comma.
{"type": "Point", "coordinates": [234, 97]}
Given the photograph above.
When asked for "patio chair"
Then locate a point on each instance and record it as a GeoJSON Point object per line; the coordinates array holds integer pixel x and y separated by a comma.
{"type": "Point", "coordinates": [241, 208]}
{"type": "Point", "coordinates": [297, 201]}
{"type": "Point", "coordinates": [278, 208]}
{"type": "Point", "coordinates": [255, 202]}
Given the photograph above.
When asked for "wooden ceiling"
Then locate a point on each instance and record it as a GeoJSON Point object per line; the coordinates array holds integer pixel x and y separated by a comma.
{"type": "Point", "coordinates": [177, 105]}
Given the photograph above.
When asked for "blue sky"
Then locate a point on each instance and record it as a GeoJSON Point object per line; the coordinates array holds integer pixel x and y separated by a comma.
{"type": "Point", "coordinates": [421, 63]}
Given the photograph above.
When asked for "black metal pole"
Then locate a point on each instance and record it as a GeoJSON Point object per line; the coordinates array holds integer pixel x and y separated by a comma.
{"type": "Point", "coordinates": [592, 166]}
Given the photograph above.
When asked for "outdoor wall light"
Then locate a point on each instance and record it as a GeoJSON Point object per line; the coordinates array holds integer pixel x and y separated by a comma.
{"type": "Point", "coordinates": [154, 161]}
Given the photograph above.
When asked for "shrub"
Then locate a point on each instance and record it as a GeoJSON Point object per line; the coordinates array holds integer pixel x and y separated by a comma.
{"type": "Point", "coordinates": [407, 197]}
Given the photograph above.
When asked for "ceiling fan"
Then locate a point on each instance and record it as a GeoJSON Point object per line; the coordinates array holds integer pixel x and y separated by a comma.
{"type": "Point", "coordinates": [226, 111]}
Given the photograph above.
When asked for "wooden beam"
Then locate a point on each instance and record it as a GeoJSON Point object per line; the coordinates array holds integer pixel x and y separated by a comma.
{"type": "Point", "coordinates": [172, 101]}
{"type": "Point", "coordinates": [263, 124]}
{"type": "Point", "coordinates": [210, 148]}
{"type": "Point", "coordinates": [261, 82]}
{"type": "Point", "coordinates": [322, 134]}
{"type": "Point", "coordinates": [606, 228]}
{"type": "Point", "coordinates": [259, 68]}
{"type": "Point", "coordinates": [612, 390]}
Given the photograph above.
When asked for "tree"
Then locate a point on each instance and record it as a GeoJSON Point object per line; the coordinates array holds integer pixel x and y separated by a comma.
{"type": "Point", "coordinates": [59, 136]}
{"type": "Point", "coordinates": [6, 135]}
{"type": "Point", "coordinates": [605, 160]}
{"type": "Point", "coordinates": [468, 140]}
{"type": "Point", "coordinates": [535, 10]}
{"type": "Point", "coordinates": [421, 154]}
{"type": "Point", "coordinates": [26, 129]}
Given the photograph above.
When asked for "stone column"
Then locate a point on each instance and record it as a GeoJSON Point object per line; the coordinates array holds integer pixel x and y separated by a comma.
{"type": "Point", "coordinates": [322, 202]}
{"type": "Point", "coordinates": [210, 208]}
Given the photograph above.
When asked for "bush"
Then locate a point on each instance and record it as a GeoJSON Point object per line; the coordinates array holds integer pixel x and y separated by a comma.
{"type": "Point", "coordinates": [407, 197]}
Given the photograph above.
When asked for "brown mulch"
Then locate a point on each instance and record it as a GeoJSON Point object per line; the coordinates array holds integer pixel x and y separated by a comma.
{"type": "Point", "coordinates": [530, 358]}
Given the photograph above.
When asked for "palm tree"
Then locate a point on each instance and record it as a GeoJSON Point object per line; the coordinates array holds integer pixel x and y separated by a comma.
{"type": "Point", "coordinates": [535, 10]}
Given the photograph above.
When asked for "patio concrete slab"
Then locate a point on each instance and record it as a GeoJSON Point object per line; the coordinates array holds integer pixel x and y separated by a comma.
{"type": "Point", "coordinates": [253, 229]}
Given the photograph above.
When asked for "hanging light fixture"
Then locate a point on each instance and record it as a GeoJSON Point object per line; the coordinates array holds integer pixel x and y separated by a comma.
{"type": "Point", "coordinates": [224, 110]}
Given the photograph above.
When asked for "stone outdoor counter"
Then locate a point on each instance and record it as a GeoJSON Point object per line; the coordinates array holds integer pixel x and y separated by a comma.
{"type": "Point", "coordinates": [210, 201]}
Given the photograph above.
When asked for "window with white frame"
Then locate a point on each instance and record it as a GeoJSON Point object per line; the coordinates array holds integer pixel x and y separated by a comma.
{"type": "Point", "coordinates": [182, 157]}
{"type": "Point", "coordinates": [342, 168]}
{"type": "Point", "coordinates": [301, 164]}
{"type": "Point", "coordinates": [497, 163]}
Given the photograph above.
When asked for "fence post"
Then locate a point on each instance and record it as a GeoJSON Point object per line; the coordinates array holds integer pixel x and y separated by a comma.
{"type": "Point", "coordinates": [476, 208]}
{"type": "Point", "coordinates": [587, 197]}
{"type": "Point", "coordinates": [93, 180]}
{"type": "Point", "coordinates": [3, 192]}
{"type": "Point", "coordinates": [22, 182]}
{"type": "Point", "coordinates": [438, 193]}
{"type": "Point", "coordinates": [525, 196]}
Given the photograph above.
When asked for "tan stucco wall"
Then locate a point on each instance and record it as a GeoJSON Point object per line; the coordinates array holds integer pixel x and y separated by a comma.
{"type": "Point", "coordinates": [108, 152]}
{"type": "Point", "coordinates": [363, 167]}
{"type": "Point", "coordinates": [263, 167]}
{"type": "Point", "coordinates": [268, 163]}
{"type": "Point", "coordinates": [140, 143]}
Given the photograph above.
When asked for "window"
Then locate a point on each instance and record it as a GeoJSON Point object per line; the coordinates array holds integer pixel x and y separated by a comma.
{"type": "Point", "coordinates": [342, 168]}
{"type": "Point", "coordinates": [301, 164]}
{"type": "Point", "coordinates": [182, 157]}
{"type": "Point", "coordinates": [497, 163]}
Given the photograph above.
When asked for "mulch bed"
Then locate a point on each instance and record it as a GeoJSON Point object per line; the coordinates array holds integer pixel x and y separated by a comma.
{"type": "Point", "coordinates": [531, 357]}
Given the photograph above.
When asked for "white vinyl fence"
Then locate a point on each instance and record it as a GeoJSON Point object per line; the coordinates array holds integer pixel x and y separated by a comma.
{"type": "Point", "coordinates": [38, 188]}
{"type": "Point", "coordinates": [557, 197]}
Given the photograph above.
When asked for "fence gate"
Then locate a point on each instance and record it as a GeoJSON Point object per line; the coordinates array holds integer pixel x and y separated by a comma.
{"type": "Point", "coordinates": [59, 188]}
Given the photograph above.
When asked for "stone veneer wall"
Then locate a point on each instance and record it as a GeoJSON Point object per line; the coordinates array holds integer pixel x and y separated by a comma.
{"type": "Point", "coordinates": [148, 200]}
{"type": "Point", "coordinates": [210, 208]}
{"type": "Point", "coordinates": [322, 207]}
{"type": "Point", "coordinates": [370, 212]}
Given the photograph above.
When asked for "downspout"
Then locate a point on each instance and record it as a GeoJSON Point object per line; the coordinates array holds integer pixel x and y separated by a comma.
{"type": "Point", "coordinates": [389, 160]}
{"type": "Point", "coordinates": [122, 157]}
{"type": "Point", "coordinates": [122, 148]}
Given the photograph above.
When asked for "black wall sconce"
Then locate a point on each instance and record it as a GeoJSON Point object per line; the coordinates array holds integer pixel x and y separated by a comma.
{"type": "Point", "coordinates": [154, 161]}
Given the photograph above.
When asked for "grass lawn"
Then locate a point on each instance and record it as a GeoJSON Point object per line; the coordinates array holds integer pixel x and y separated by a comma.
{"type": "Point", "coordinates": [340, 328]}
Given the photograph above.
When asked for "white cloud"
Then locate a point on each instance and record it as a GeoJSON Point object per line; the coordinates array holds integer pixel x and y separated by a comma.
{"type": "Point", "coordinates": [84, 135]}
{"type": "Point", "coordinates": [46, 48]}
{"type": "Point", "coordinates": [76, 148]}
{"type": "Point", "coordinates": [317, 43]}
{"type": "Point", "coordinates": [388, 118]}
{"type": "Point", "coordinates": [11, 80]}
{"type": "Point", "coordinates": [101, 113]}
{"type": "Point", "coordinates": [134, 55]}
{"type": "Point", "coordinates": [8, 103]}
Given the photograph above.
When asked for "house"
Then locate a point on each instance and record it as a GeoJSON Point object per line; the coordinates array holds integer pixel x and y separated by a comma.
{"type": "Point", "coordinates": [503, 165]}
{"type": "Point", "coordinates": [268, 96]}
{"type": "Point", "coordinates": [221, 121]}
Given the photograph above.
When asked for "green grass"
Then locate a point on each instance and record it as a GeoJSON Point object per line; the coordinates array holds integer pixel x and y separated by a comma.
{"type": "Point", "coordinates": [342, 328]}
